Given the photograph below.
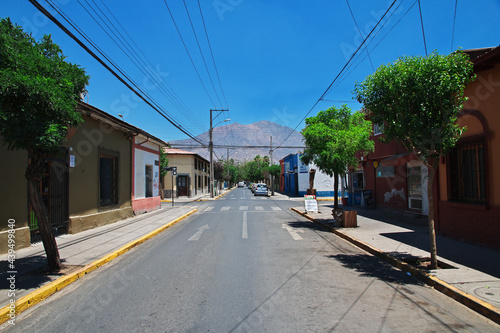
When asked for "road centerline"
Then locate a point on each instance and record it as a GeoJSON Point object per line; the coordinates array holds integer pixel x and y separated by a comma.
{"type": "Point", "coordinates": [244, 229]}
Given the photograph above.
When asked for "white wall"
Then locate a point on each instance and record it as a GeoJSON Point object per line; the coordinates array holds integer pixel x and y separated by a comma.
{"type": "Point", "coordinates": [143, 158]}
{"type": "Point", "coordinates": [322, 182]}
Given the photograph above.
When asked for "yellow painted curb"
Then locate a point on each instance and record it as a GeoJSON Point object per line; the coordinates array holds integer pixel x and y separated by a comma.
{"type": "Point", "coordinates": [468, 300]}
{"type": "Point", "coordinates": [42, 293]}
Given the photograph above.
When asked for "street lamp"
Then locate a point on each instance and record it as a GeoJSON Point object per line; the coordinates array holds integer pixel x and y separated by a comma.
{"type": "Point", "coordinates": [211, 146]}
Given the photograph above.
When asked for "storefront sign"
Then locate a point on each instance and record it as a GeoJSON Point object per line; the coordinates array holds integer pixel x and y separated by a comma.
{"type": "Point", "coordinates": [311, 204]}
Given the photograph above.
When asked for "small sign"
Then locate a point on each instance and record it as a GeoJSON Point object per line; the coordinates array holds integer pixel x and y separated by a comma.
{"type": "Point", "coordinates": [174, 171]}
{"type": "Point", "coordinates": [375, 164]}
{"type": "Point", "coordinates": [71, 161]}
{"type": "Point", "coordinates": [311, 203]}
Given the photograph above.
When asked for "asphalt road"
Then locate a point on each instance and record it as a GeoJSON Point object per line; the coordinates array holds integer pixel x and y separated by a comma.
{"type": "Point", "coordinates": [245, 264]}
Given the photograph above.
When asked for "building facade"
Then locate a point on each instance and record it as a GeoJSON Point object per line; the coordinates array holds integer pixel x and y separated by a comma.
{"type": "Point", "coordinates": [468, 186]}
{"type": "Point", "coordinates": [193, 174]}
{"type": "Point", "coordinates": [89, 184]}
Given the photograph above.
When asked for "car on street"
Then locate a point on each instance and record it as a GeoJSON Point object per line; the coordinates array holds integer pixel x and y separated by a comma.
{"type": "Point", "coordinates": [241, 184]}
{"type": "Point", "coordinates": [261, 189]}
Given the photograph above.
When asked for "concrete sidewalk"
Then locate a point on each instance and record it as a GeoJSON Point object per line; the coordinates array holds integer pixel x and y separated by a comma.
{"type": "Point", "coordinates": [474, 278]}
{"type": "Point", "coordinates": [79, 252]}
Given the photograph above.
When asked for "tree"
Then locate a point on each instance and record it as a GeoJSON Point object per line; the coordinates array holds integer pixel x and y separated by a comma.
{"type": "Point", "coordinates": [333, 137]}
{"type": "Point", "coordinates": [39, 92]}
{"type": "Point", "coordinates": [163, 171]}
{"type": "Point", "coordinates": [418, 100]}
{"type": "Point", "coordinates": [274, 170]}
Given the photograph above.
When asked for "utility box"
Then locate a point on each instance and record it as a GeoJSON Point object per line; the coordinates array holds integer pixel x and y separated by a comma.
{"type": "Point", "coordinates": [350, 219]}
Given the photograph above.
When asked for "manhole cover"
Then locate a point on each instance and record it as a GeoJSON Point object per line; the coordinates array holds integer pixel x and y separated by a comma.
{"type": "Point", "coordinates": [488, 293]}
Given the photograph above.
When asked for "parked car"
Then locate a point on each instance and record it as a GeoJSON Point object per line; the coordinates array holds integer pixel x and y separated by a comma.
{"type": "Point", "coordinates": [261, 189]}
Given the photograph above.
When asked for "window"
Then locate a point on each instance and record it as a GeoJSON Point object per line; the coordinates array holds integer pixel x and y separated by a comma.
{"type": "Point", "coordinates": [385, 171]}
{"type": "Point", "coordinates": [467, 176]}
{"type": "Point", "coordinates": [378, 129]}
{"type": "Point", "coordinates": [108, 178]}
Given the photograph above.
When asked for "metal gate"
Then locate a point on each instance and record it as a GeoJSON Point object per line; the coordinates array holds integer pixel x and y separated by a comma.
{"type": "Point", "coordinates": [54, 187]}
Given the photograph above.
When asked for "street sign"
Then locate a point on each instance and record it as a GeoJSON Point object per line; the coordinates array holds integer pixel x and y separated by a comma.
{"type": "Point", "coordinates": [311, 203]}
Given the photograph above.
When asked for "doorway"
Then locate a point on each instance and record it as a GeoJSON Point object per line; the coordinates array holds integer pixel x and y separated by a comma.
{"type": "Point", "coordinates": [182, 186]}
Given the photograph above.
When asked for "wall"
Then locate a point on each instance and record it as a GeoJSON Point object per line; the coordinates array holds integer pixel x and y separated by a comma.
{"type": "Point", "coordinates": [322, 182]}
{"type": "Point", "coordinates": [13, 197]}
{"type": "Point", "coordinates": [477, 223]}
{"type": "Point", "coordinates": [145, 153]}
{"type": "Point", "coordinates": [84, 192]}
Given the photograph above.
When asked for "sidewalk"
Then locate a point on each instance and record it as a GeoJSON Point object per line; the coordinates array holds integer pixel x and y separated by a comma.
{"type": "Point", "coordinates": [82, 252]}
{"type": "Point", "coordinates": [198, 197]}
{"type": "Point", "coordinates": [474, 279]}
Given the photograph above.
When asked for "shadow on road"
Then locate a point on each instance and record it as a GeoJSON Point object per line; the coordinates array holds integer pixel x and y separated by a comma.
{"type": "Point", "coordinates": [370, 266]}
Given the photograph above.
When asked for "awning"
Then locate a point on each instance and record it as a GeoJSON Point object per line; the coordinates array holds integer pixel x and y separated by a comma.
{"type": "Point", "coordinates": [398, 159]}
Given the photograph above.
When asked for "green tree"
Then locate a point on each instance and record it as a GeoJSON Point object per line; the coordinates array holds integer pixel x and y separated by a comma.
{"type": "Point", "coordinates": [275, 171]}
{"type": "Point", "coordinates": [163, 172]}
{"type": "Point", "coordinates": [39, 92]}
{"type": "Point", "coordinates": [332, 138]}
{"type": "Point", "coordinates": [418, 100]}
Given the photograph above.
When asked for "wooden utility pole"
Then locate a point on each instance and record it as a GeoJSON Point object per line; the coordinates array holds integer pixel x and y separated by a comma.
{"type": "Point", "coordinates": [270, 175]}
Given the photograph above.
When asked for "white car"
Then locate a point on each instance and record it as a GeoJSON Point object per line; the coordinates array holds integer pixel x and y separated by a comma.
{"type": "Point", "coordinates": [241, 184]}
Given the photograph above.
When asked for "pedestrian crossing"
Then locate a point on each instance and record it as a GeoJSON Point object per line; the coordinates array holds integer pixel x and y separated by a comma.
{"type": "Point", "coordinates": [243, 208]}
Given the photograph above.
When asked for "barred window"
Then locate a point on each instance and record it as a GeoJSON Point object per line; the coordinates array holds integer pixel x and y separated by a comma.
{"type": "Point", "coordinates": [467, 177]}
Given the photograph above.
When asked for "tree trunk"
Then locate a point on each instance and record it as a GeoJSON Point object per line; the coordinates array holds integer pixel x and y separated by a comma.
{"type": "Point", "coordinates": [432, 231]}
{"type": "Point", "coordinates": [335, 191]}
{"type": "Point", "coordinates": [34, 175]}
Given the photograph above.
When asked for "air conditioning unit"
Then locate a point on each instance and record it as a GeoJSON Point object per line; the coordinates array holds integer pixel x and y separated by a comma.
{"type": "Point", "coordinates": [415, 203]}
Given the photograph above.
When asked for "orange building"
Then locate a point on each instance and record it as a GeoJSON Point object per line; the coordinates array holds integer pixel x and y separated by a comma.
{"type": "Point", "coordinates": [468, 183]}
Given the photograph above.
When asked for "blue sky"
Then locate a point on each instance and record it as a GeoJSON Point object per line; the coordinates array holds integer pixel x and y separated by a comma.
{"type": "Point", "coordinates": [274, 58]}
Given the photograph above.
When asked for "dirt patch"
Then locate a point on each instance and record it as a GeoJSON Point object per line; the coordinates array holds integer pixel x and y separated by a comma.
{"type": "Point", "coordinates": [425, 263]}
{"type": "Point", "coordinates": [44, 270]}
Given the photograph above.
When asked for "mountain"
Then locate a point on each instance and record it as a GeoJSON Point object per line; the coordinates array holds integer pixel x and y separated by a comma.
{"type": "Point", "coordinates": [236, 135]}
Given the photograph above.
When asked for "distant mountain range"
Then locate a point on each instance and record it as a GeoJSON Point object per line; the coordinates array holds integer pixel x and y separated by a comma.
{"type": "Point", "coordinates": [236, 135]}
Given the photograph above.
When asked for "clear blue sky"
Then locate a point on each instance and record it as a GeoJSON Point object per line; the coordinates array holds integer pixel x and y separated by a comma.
{"type": "Point", "coordinates": [275, 58]}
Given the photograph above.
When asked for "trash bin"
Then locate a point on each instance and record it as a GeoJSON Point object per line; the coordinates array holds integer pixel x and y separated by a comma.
{"type": "Point", "coordinates": [350, 218]}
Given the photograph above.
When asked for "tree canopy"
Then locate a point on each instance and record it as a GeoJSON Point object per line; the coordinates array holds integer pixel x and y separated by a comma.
{"type": "Point", "coordinates": [39, 91]}
{"type": "Point", "coordinates": [418, 100]}
{"type": "Point", "coordinates": [333, 137]}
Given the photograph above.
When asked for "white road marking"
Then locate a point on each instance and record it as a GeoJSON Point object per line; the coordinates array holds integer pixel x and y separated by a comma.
{"type": "Point", "coordinates": [244, 230]}
{"type": "Point", "coordinates": [233, 198]}
{"type": "Point", "coordinates": [259, 208]}
{"type": "Point", "coordinates": [225, 208]}
{"type": "Point", "coordinates": [293, 232]}
{"type": "Point", "coordinates": [243, 207]}
{"type": "Point", "coordinates": [208, 209]}
{"type": "Point", "coordinates": [275, 208]}
{"type": "Point", "coordinates": [197, 235]}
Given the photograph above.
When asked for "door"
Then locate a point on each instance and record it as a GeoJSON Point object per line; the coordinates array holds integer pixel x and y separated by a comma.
{"type": "Point", "coordinates": [54, 188]}
{"type": "Point", "coordinates": [149, 181]}
{"type": "Point", "coordinates": [182, 186]}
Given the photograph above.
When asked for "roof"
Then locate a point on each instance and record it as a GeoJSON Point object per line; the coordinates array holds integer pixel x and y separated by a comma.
{"type": "Point", "coordinates": [118, 124]}
{"type": "Point", "coordinates": [176, 151]}
{"type": "Point", "coordinates": [484, 58]}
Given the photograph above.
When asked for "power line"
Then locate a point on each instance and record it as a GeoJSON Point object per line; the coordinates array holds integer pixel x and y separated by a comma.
{"type": "Point", "coordinates": [454, 20]}
{"type": "Point", "coordinates": [422, 24]}
{"type": "Point", "coordinates": [341, 71]}
{"type": "Point", "coordinates": [212, 54]}
{"type": "Point", "coordinates": [129, 85]}
{"type": "Point", "coordinates": [359, 31]}
{"type": "Point", "coordinates": [187, 51]}
{"type": "Point", "coordinates": [199, 47]}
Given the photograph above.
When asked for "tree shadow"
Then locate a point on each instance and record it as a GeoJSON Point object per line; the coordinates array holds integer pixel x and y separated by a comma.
{"type": "Point", "coordinates": [31, 272]}
{"type": "Point", "coordinates": [370, 266]}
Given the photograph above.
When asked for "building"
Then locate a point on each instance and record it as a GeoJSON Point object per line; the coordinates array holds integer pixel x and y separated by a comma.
{"type": "Point", "coordinates": [468, 186]}
{"type": "Point", "coordinates": [105, 173]}
{"type": "Point", "coordinates": [294, 179]}
{"type": "Point", "coordinates": [193, 174]}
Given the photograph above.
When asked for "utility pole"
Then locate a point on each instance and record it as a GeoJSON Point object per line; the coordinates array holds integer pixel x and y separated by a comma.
{"type": "Point", "coordinates": [270, 175]}
{"type": "Point", "coordinates": [211, 147]}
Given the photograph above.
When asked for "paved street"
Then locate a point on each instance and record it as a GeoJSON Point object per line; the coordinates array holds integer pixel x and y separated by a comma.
{"type": "Point", "coordinates": [248, 264]}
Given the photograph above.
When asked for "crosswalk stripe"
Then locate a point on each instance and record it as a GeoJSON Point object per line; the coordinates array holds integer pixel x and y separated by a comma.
{"type": "Point", "coordinates": [259, 208]}
{"type": "Point", "coordinates": [243, 207]}
{"type": "Point", "coordinates": [275, 208]}
{"type": "Point", "coordinates": [208, 209]}
{"type": "Point", "coordinates": [225, 208]}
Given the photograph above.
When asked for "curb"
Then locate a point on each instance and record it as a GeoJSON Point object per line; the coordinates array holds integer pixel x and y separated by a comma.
{"type": "Point", "coordinates": [217, 197]}
{"type": "Point", "coordinates": [44, 292]}
{"type": "Point", "coordinates": [472, 302]}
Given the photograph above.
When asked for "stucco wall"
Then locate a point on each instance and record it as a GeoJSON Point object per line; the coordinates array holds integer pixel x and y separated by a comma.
{"type": "Point", "coordinates": [322, 182]}
{"type": "Point", "coordinates": [84, 192]}
{"type": "Point", "coordinates": [13, 197]}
